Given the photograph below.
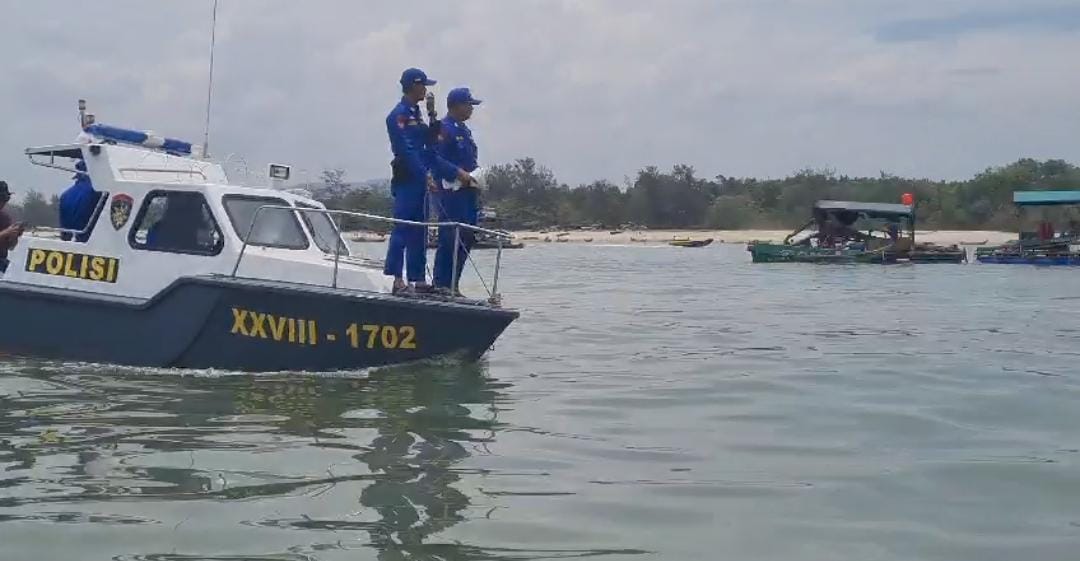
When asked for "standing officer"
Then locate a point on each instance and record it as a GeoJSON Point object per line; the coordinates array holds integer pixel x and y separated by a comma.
{"type": "Point", "coordinates": [458, 201]}
{"type": "Point", "coordinates": [413, 163]}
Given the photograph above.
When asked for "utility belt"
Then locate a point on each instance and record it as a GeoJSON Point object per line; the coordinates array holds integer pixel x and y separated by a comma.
{"type": "Point", "coordinates": [400, 173]}
{"type": "Point", "coordinates": [455, 187]}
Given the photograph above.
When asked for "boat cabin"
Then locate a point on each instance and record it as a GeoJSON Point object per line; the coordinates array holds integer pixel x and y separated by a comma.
{"type": "Point", "coordinates": [162, 214]}
{"type": "Point", "coordinates": [1047, 243]}
{"type": "Point", "coordinates": [867, 225]}
{"type": "Point", "coordinates": [1065, 232]}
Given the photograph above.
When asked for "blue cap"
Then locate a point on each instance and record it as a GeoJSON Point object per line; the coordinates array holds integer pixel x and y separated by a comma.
{"type": "Point", "coordinates": [415, 76]}
{"type": "Point", "coordinates": [459, 96]}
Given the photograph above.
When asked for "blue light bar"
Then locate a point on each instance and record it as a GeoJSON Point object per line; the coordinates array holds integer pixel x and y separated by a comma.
{"type": "Point", "coordinates": [129, 136]}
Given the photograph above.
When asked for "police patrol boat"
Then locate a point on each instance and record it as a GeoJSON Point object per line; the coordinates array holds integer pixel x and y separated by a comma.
{"type": "Point", "coordinates": [183, 269]}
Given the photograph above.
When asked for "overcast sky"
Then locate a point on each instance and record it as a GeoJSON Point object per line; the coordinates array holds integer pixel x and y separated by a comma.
{"type": "Point", "coordinates": [590, 88]}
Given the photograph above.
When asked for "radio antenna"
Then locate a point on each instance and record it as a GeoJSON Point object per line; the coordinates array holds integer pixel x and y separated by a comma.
{"type": "Point", "coordinates": [210, 81]}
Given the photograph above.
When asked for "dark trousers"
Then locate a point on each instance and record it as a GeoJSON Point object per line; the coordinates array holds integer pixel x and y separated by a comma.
{"type": "Point", "coordinates": [408, 248]}
{"type": "Point", "coordinates": [454, 206]}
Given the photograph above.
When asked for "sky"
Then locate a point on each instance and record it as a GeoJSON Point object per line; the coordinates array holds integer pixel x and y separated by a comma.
{"type": "Point", "coordinates": [592, 89]}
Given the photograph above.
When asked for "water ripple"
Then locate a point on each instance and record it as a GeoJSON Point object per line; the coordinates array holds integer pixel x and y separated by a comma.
{"type": "Point", "coordinates": [651, 402]}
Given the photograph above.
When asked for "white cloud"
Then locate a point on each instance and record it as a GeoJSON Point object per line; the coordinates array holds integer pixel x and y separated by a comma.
{"type": "Point", "coordinates": [592, 89]}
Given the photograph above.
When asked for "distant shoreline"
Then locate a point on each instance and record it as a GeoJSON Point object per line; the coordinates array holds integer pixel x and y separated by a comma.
{"type": "Point", "coordinates": [659, 237]}
{"type": "Point", "coordinates": [636, 237]}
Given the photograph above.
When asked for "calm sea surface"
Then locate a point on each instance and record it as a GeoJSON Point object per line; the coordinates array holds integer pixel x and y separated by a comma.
{"type": "Point", "coordinates": [651, 403]}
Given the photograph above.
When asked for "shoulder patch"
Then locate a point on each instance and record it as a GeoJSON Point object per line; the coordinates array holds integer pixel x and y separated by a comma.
{"type": "Point", "coordinates": [402, 120]}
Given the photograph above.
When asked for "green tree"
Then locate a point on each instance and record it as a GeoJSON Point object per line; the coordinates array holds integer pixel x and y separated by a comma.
{"type": "Point", "coordinates": [36, 211]}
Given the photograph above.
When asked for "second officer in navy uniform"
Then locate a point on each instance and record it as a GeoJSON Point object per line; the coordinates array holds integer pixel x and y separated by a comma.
{"type": "Point", "coordinates": [458, 200]}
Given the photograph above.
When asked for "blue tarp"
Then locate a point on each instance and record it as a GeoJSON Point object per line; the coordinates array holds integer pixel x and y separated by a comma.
{"type": "Point", "coordinates": [1046, 198]}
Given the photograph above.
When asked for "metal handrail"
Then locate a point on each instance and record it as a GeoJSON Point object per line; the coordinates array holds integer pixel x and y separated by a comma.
{"type": "Point", "coordinates": [89, 225]}
{"type": "Point", "coordinates": [499, 235]}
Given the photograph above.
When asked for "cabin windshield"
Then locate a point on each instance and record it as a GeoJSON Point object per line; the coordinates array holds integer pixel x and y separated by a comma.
{"type": "Point", "coordinates": [274, 228]}
{"type": "Point", "coordinates": [325, 232]}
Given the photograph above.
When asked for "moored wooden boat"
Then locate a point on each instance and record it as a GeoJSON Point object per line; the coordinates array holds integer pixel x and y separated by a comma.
{"type": "Point", "coordinates": [831, 237]}
{"type": "Point", "coordinates": [690, 243]}
{"type": "Point", "coordinates": [1043, 247]}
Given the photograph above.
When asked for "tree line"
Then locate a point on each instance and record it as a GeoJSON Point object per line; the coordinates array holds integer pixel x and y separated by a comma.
{"type": "Point", "coordinates": [35, 210]}
{"type": "Point", "coordinates": [527, 195]}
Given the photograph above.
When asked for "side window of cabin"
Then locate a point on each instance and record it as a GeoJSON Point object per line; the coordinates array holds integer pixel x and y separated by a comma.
{"type": "Point", "coordinates": [324, 230]}
{"type": "Point", "coordinates": [176, 222]}
{"type": "Point", "coordinates": [273, 227]}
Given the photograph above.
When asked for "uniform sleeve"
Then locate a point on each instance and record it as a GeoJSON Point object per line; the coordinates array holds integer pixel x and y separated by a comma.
{"type": "Point", "coordinates": [402, 146]}
{"type": "Point", "coordinates": [446, 154]}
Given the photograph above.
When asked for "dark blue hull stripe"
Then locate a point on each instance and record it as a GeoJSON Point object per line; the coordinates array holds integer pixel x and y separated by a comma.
{"type": "Point", "coordinates": [240, 324]}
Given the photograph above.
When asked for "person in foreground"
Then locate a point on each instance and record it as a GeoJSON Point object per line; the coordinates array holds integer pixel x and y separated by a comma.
{"type": "Point", "coordinates": [9, 230]}
{"type": "Point", "coordinates": [458, 199]}
{"type": "Point", "coordinates": [414, 167]}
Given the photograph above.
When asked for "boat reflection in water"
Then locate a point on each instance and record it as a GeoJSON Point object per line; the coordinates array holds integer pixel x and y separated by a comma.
{"type": "Point", "coordinates": [239, 466]}
{"type": "Point", "coordinates": [424, 429]}
{"type": "Point", "coordinates": [154, 465]}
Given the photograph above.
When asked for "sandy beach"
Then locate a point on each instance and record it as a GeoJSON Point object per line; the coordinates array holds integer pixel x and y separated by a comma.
{"type": "Point", "coordinates": [944, 237]}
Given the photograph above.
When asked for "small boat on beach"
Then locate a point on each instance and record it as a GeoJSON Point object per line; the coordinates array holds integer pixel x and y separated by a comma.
{"type": "Point", "coordinates": [690, 243]}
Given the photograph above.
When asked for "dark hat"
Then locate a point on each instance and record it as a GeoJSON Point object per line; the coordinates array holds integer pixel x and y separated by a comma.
{"type": "Point", "coordinates": [415, 76]}
{"type": "Point", "coordinates": [4, 192]}
{"type": "Point", "coordinates": [461, 96]}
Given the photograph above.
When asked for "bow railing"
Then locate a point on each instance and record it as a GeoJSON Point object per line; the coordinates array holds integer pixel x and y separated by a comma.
{"type": "Point", "coordinates": [499, 236]}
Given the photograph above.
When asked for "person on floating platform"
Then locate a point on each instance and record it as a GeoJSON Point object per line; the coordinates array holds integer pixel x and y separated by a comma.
{"type": "Point", "coordinates": [10, 231]}
{"type": "Point", "coordinates": [892, 230]}
{"type": "Point", "coordinates": [413, 167]}
{"type": "Point", "coordinates": [458, 201]}
{"type": "Point", "coordinates": [77, 204]}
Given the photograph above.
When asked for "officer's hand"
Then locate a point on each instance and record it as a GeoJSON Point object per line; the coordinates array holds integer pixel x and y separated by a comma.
{"type": "Point", "coordinates": [464, 178]}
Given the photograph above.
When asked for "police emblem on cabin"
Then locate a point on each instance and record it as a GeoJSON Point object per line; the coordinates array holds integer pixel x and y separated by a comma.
{"type": "Point", "coordinates": [120, 210]}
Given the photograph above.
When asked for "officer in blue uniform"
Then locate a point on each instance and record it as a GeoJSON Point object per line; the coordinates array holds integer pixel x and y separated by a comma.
{"type": "Point", "coordinates": [458, 202]}
{"type": "Point", "coordinates": [77, 204]}
{"type": "Point", "coordinates": [414, 167]}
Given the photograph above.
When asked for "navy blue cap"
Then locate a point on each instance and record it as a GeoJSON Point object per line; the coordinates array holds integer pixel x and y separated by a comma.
{"type": "Point", "coordinates": [415, 76]}
{"type": "Point", "coordinates": [460, 96]}
{"type": "Point", "coordinates": [4, 192]}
